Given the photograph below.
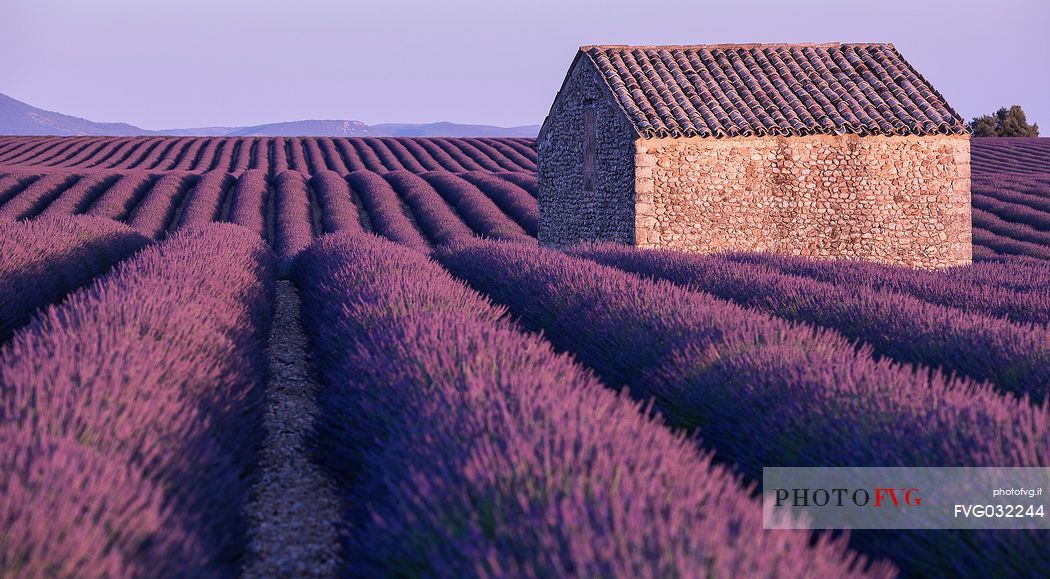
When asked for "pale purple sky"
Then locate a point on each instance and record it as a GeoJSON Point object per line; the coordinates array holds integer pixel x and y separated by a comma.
{"type": "Point", "coordinates": [182, 63]}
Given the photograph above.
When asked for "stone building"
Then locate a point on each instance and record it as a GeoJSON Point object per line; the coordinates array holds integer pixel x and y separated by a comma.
{"type": "Point", "coordinates": [830, 150]}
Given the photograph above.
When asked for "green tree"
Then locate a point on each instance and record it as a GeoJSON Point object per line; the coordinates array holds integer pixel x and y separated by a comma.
{"type": "Point", "coordinates": [1006, 122]}
{"type": "Point", "coordinates": [984, 126]}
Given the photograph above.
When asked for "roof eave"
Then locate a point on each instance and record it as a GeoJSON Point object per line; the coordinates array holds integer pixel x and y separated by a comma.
{"type": "Point", "coordinates": [580, 53]}
{"type": "Point", "coordinates": [638, 131]}
{"type": "Point", "coordinates": [557, 96]}
{"type": "Point", "coordinates": [955, 125]}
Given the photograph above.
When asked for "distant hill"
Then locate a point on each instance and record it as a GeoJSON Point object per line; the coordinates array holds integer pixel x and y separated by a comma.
{"type": "Point", "coordinates": [19, 118]}
{"type": "Point", "coordinates": [451, 130]}
{"type": "Point", "coordinates": [195, 132]}
{"type": "Point", "coordinates": [311, 128]}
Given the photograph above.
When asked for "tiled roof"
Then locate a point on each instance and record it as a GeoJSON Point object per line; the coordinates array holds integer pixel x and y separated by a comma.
{"type": "Point", "coordinates": [772, 89]}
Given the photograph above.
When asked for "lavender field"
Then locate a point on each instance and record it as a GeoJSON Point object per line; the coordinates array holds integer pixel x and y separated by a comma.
{"type": "Point", "coordinates": [470, 403]}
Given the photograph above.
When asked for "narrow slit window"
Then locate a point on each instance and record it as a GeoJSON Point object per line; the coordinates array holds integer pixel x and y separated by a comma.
{"type": "Point", "coordinates": [588, 145]}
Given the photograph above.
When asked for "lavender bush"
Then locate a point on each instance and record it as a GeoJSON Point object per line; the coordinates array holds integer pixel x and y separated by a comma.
{"type": "Point", "coordinates": [526, 181]}
{"type": "Point", "coordinates": [520, 161]}
{"type": "Point", "coordinates": [207, 155]}
{"type": "Point", "coordinates": [246, 149]}
{"type": "Point", "coordinates": [296, 156]}
{"type": "Point", "coordinates": [453, 150]}
{"type": "Point", "coordinates": [251, 194]}
{"type": "Point", "coordinates": [467, 448]}
{"type": "Point", "coordinates": [335, 158]}
{"type": "Point", "coordinates": [157, 365]}
{"type": "Point", "coordinates": [1012, 356]}
{"type": "Point", "coordinates": [82, 194]}
{"type": "Point", "coordinates": [308, 155]}
{"type": "Point", "coordinates": [424, 158]}
{"type": "Point", "coordinates": [12, 184]}
{"type": "Point", "coordinates": [338, 211]}
{"type": "Point", "coordinates": [386, 157]}
{"type": "Point", "coordinates": [765, 392]}
{"type": "Point", "coordinates": [470, 149]}
{"type": "Point", "coordinates": [44, 259]}
{"type": "Point", "coordinates": [511, 199]}
{"type": "Point", "coordinates": [525, 146]}
{"type": "Point", "coordinates": [441, 156]}
{"type": "Point", "coordinates": [995, 223]}
{"type": "Point", "coordinates": [1031, 191]}
{"type": "Point", "coordinates": [477, 210]}
{"type": "Point", "coordinates": [204, 203]}
{"type": "Point", "coordinates": [434, 216]}
{"type": "Point", "coordinates": [152, 153]}
{"type": "Point", "coordinates": [278, 154]}
{"type": "Point", "coordinates": [187, 158]}
{"type": "Point", "coordinates": [153, 215]}
{"type": "Point", "coordinates": [1020, 213]}
{"type": "Point", "coordinates": [32, 150]}
{"type": "Point", "coordinates": [315, 157]}
{"type": "Point", "coordinates": [117, 201]}
{"type": "Point", "coordinates": [88, 150]}
{"type": "Point", "coordinates": [367, 156]}
{"type": "Point", "coordinates": [292, 206]}
{"type": "Point", "coordinates": [102, 158]}
{"type": "Point", "coordinates": [223, 160]}
{"type": "Point", "coordinates": [1015, 155]}
{"type": "Point", "coordinates": [950, 289]}
{"type": "Point", "coordinates": [349, 155]}
{"type": "Point", "coordinates": [1019, 274]}
{"type": "Point", "coordinates": [36, 196]}
{"type": "Point", "coordinates": [405, 157]}
{"type": "Point", "coordinates": [72, 511]}
{"type": "Point", "coordinates": [101, 149]}
{"type": "Point", "coordinates": [384, 209]}
{"type": "Point", "coordinates": [488, 156]}
{"type": "Point", "coordinates": [1002, 240]}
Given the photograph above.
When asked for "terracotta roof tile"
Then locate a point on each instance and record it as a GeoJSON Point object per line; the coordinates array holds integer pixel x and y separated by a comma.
{"type": "Point", "coordinates": [772, 89]}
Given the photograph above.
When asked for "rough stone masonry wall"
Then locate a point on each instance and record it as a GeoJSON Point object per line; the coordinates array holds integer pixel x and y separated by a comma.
{"type": "Point", "coordinates": [568, 214]}
{"type": "Point", "coordinates": [899, 200]}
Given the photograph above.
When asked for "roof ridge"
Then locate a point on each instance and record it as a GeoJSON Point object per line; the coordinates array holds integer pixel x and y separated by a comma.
{"type": "Point", "coordinates": [835, 88]}
{"type": "Point", "coordinates": [587, 47]}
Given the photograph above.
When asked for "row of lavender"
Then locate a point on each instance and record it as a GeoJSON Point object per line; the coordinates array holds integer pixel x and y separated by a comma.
{"type": "Point", "coordinates": [175, 489]}
{"type": "Point", "coordinates": [43, 260]}
{"type": "Point", "coordinates": [1011, 189]}
{"type": "Point", "coordinates": [988, 321]}
{"type": "Point", "coordinates": [961, 338]}
{"type": "Point", "coordinates": [702, 359]}
{"type": "Point", "coordinates": [1011, 215]}
{"type": "Point", "coordinates": [760, 391]}
{"type": "Point", "coordinates": [344, 155]}
{"type": "Point", "coordinates": [465, 447]}
{"type": "Point", "coordinates": [309, 155]}
{"type": "Point", "coordinates": [39, 376]}
{"type": "Point", "coordinates": [1010, 155]}
{"type": "Point", "coordinates": [130, 420]}
{"type": "Point", "coordinates": [945, 323]}
{"type": "Point", "coordinates": [129, 412]}
{"type": "Point", "coordinates": [289, 210]}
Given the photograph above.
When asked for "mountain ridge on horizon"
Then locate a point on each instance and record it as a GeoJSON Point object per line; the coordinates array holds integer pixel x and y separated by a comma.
{"type": "Point", "coordinates": [21, 119]}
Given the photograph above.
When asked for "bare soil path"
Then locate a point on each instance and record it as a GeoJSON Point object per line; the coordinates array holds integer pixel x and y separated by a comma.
{"type": "Point", "coordinates": [294, 509]}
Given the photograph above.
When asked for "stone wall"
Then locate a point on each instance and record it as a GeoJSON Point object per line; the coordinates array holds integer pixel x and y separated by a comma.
{"type": "Point", "coordinates": [901, 200]}
{"type": "Point", "coordinates": [568, 214]}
